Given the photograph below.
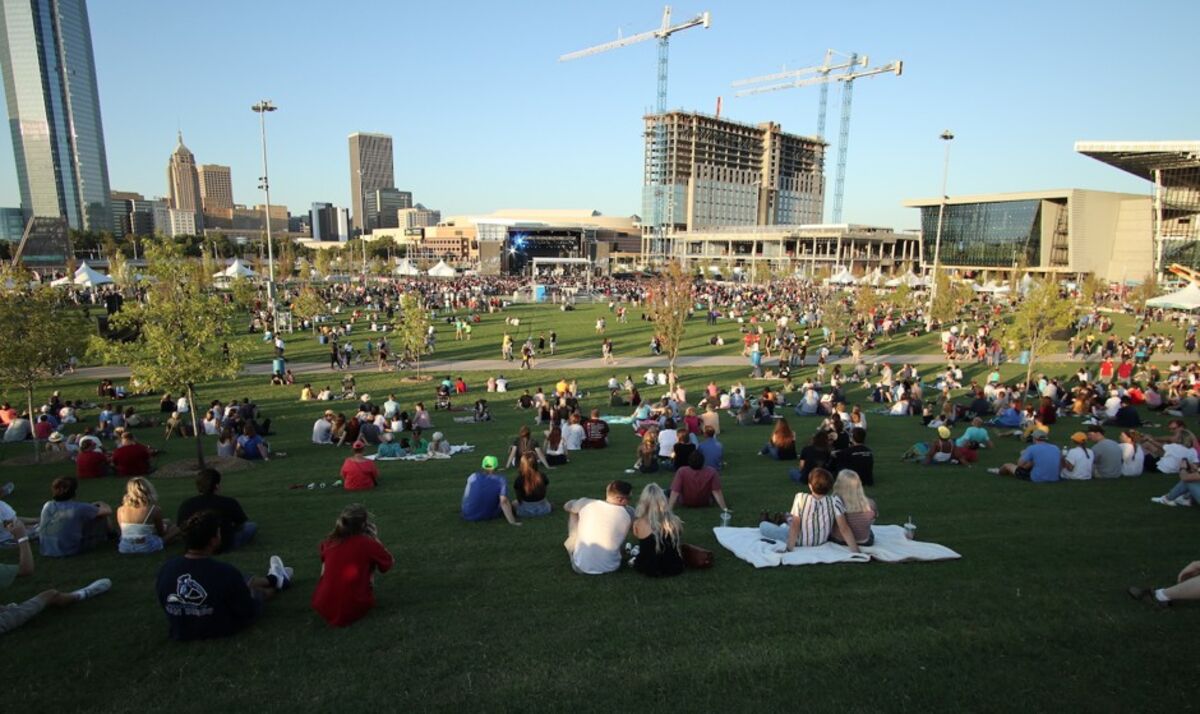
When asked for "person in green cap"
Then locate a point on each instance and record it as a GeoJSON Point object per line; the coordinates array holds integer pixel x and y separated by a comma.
{"type": "Point", "coordinates": [486, 494]}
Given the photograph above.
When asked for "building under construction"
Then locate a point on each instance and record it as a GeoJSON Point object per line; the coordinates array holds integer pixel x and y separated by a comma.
{"type": "Point", "coordinates": [725, 173]}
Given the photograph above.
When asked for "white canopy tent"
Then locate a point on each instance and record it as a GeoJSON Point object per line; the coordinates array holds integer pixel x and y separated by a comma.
{"type": "Point", "coordinates": [441, 270]}
{"type": "Point", "coordinates": [1186, 299]}
{"type": "Point", "coordinates": [908, 279]}
{"type": "Point", "coordinates": [406, 268]}
{"type": "Point", "coordinates": [236, 269]}
{"type": "Point", "coordinates": [843, 277]}
{"type": "Point", "coordinates": [85, 277]}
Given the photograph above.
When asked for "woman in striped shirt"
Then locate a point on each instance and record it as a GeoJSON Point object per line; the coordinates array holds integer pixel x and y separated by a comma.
{"type": "Point", "coordinates": [813, 516]}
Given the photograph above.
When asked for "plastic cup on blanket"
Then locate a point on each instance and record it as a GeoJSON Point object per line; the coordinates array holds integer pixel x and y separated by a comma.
{"type": "Point", "coordinates": [910, 529]}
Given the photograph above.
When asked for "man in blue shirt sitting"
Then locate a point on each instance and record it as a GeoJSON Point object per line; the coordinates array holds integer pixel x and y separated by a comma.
{"type": "Point", "coordinates": [486, 494]}
{"type": "Point", "coordinates": [1040, 462]}
{"type": "Point", "coordinates": [711, 449]}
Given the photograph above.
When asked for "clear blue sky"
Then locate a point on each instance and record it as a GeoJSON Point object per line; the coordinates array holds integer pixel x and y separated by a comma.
{"type": "Point", "coordinates": [484, 117]}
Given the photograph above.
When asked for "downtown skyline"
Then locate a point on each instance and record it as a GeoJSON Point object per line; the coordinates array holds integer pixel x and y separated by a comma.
{"type": "Point", "coordinates": [498, 122]}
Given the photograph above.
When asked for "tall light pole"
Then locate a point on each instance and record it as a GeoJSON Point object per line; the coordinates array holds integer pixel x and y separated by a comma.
{"type": "Point", "coordinates": [261, 109]}
{"type": "Point", "coordinates": [947, 137]}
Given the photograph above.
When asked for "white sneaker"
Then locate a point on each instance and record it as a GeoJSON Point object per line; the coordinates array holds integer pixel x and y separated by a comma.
{"type": "Point", "coordinates": [98, 587]}
{"type": "Point", "coordinates": [283, 576]}
{"type": "Point", "coordinates": [995, 471]}
{"type": "Point", "coordinates": [1163, 501]}
{"type": "Point", "coordinates": [1184, 500]}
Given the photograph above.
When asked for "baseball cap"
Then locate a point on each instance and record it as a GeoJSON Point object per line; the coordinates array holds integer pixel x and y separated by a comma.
{"type": "Point", "coordinates": [1079, 437]}
{"type": "Point", "coordinates": [1039, 435]}
{"type": "Point", "coordinates": [944, 432]}
{"type": "Point", "coordinates": [359, 445]}
{"type": "Point", "coordinates": [490, 462]}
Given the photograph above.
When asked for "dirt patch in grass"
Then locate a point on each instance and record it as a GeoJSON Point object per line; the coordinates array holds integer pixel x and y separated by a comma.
{"type": "Point", "coordinates": [188, 469]}
{"type": "Point", "coordinates": [46, 457]}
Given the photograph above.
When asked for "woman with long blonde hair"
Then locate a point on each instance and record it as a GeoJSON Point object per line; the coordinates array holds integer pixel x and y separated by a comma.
{"type": "Point", "coordinates": [860, 510]}
{"type": "Point", "coordinates": [659, 533]}
{"type": "Point", "coordinates": [143, 528]}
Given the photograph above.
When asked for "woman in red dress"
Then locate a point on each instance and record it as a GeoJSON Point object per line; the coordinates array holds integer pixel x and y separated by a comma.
{"type": "Point", "coordinates": [350, 556]}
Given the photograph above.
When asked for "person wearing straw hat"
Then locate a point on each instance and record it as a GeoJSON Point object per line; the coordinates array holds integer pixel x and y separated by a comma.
{"type": "Point", "coordinates": [486, 494]}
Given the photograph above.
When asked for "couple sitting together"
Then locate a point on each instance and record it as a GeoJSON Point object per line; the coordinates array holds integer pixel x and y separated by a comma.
{"type": "Point", "coordinates": [832, 510]}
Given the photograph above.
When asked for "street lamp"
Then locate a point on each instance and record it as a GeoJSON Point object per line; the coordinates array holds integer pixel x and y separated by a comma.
{"type": "Point", "coordinates": [261, 108]}
{"type": "Point", "coordinates": [947, 137]}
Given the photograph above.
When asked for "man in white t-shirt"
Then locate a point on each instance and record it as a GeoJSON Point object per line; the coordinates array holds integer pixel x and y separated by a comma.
{"type": "Point", "coordinates": [1078, 460]}
{"type": "Point", "coordinates": [666, 443]}
{"type": "Point", "coordinates": [596, 530]}
{"type": "Point", "coordinates": [501, 384]}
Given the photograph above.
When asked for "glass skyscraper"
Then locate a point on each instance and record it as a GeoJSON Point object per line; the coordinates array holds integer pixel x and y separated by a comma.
{"type": "Point", "coordinates": [54, 111]}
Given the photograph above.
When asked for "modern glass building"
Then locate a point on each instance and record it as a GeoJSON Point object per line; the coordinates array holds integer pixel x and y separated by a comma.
{"type": "Point", "coordinates": [1069, 231]}
{"type": "Point", "coordinates": [54, 111]}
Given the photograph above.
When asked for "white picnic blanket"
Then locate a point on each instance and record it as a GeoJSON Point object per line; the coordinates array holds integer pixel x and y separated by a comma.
{"type": "Point", "coordinates": [454, 450]}
{"type": "Point", "coordinates": [890, 547]}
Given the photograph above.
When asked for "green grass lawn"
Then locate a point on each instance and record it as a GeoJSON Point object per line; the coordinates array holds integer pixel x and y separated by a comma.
{"type": "Point", "coordinates": [490, 617]}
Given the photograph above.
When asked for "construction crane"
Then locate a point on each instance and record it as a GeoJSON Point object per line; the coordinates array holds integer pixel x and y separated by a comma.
{"type": "Point", "coordinates": [855, 68]}
{"type": "Point", "coordinates": [663, 35]}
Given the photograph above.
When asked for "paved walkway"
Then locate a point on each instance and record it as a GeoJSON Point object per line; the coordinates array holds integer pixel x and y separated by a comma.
{"type": "Point", "coordinates": [559, 364]}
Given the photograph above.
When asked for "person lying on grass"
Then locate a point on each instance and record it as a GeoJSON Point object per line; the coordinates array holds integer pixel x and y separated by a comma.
{"type": "Point", "coordinates": [1186, 587]}
{"type": "Point", "coordinates": [350, 556]}
{"type": "Point", "coordinates": [14, 615]}
{"type": "Point", "coordinates": [204, 598]}
{"type": "Point", "coordinates": [486, 494]}
{"type": "Point", "coordinates": [596, 529]}
{"type": "Point", "coordinates": [813, 516]}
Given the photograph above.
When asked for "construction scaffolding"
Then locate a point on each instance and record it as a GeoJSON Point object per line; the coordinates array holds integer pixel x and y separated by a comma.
{"type": "Point", "coordinates": [718, 172]}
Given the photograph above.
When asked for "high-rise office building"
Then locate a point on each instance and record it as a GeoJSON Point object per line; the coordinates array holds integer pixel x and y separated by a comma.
{"type": "Point", "coordinates": [12, 224]}
{"type": "Point", "coordinates": [183, 182]}
{"type": "Point", "coordinates": [54, 111]}
{"type": "Point", "coordinates": [216, 187]}
{"type": "Point", "coordinates": [324, 222]}
{"type": "Point", "coordinates": [382, 205]}
{"type": "Point", "coordinates": [370, 170]}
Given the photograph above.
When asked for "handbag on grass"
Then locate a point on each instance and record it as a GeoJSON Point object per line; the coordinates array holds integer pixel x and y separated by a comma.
{"type": "Point", "coordinates": [696, 557]}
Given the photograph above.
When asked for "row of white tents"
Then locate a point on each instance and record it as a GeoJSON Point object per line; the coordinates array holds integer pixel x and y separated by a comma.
{"type": "Point", "coordinates": [875, 278]}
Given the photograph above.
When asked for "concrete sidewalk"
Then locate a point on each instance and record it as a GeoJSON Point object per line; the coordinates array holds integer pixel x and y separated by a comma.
{"type": "Point", "coordinates": [559, 364]}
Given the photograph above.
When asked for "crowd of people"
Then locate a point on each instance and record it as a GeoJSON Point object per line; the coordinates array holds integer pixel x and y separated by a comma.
{"type": "Point", "coordinates": [677, 432]}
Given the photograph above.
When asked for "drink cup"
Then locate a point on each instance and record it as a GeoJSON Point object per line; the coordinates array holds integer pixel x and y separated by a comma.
{"type": "Point", "coordinates": [910, 531]}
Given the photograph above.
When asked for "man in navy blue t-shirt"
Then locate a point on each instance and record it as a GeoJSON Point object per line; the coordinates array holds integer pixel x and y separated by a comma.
{"type": "Point", "coordinates": [205, 598]}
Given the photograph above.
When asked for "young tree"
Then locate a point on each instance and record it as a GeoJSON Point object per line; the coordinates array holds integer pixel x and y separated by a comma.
{"type": "Point", "coordinates": [323, 262]}
{"type": "Point", "coordinates": [1035, 322]}
{"type": "Point", "coordinates": [42, 334]}
{"type": "Point", "coordinates": [1145, 291]}
{"type": "Point", "coordinates": [835, 316]}
{"type": "Point", "coordinates": [244, 293]}
{"type": "Point", "coordinates": [670, 303]}
{"type": "Point", "coordinates": [414, 325]}
{"type": "Point", "coordinates": [181, 328]}
{"type": "Point", "coordinates": [308, 305]}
